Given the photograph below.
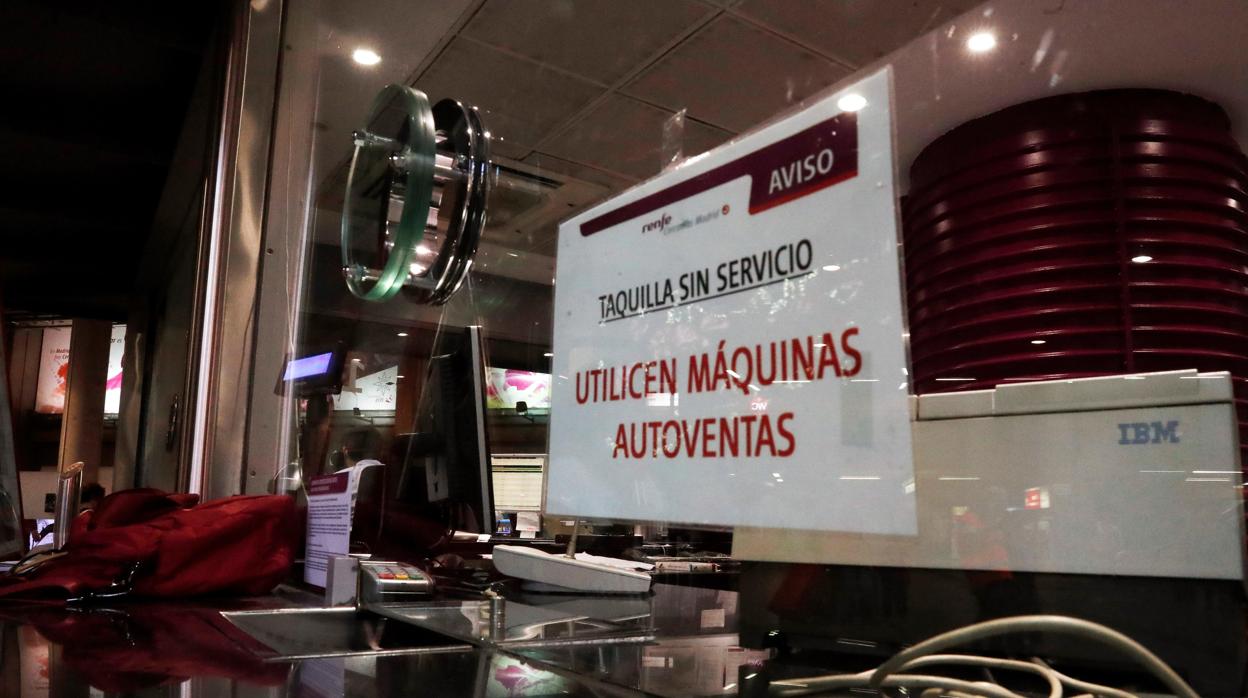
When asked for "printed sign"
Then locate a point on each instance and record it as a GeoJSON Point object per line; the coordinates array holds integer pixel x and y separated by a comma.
{"type": "Point", "coordinates": [329, 524]}
{"type": "Point", "coordinates": [729, 336]}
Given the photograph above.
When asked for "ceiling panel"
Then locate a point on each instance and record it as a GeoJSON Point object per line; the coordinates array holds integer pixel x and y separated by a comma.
{"type": "Point", "coordinates": [600, 39]}
{"type": "Point", "coordinates": [550, 163]}
{"type": "Point", "coordinates": [856, 31]}
{"type": "Point", "coordinates": [625, 135]}
{"type": "Point", "coordinates": [520, 101]}
{"type": "Point", "coordinates": [345, 88]}
{"type": "Point", "coordinates": [511, 149]}
{"type": "Point", "coordinates": [734, 75]}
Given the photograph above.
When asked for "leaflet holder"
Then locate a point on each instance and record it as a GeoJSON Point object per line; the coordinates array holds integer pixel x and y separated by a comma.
{"type": "Point", "coordinates": [416, 196]}
{"type": "Point", "coordinates": [68, 495]}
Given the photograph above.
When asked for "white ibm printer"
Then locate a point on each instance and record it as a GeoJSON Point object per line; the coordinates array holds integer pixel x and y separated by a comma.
{"type": "Point", "coordinates": [1115, 499]}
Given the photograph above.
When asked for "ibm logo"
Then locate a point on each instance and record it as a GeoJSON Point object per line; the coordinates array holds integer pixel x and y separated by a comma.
{"type": "Point", "coordinates": [1134, 433]}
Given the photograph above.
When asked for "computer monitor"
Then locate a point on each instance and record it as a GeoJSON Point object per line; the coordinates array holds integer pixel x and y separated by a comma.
{"type": "Point", "coordinates": [313, 372]}
{"type": "Point", "coordinates": [444, 463]}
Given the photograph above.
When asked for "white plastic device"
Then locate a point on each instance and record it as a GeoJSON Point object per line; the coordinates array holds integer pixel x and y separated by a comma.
{"type": "Point", "coordinates": [546, 572]}
{"type": "Point", "coordinates": [1135, 475]}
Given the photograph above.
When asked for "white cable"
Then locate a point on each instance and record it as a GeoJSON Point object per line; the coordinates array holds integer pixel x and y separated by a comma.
{"type": "Point", "coordinates": [1093, 689]}
{"type": "Point", "coordinates": [919, 656]}
{"type": "Point", "coordinates": [805, 687]}
{"type": "Point", "coordinates": [826, 683]}
{"type": "Point", "coordinates": [1050, 676]}
{"type": "Point", "coordinates": [820, 684]}
{"type": "Point", "coordinates": [1039, 623]}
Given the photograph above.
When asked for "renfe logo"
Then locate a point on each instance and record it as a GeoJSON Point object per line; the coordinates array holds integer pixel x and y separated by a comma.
{"type": "Point", "coordinates": [1134, 433]}
{"type": "Point", "coordinates": [657, 224]}
{"type": "Point", "coordinates": [808, 161]}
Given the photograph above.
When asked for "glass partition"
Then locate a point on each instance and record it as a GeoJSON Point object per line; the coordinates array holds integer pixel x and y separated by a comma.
{"type": "Point", "coordinates": [1010, 301]}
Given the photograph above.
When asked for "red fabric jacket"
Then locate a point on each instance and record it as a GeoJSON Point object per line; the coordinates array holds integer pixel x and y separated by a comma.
{"type": "Point", "coordinates": [236, 545]}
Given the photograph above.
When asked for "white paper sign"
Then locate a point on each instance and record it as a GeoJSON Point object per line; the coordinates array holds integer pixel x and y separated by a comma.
{"type": "Point", "coordinates": [329, 523]}
{"type": "Point", "coordinates": [729, 336]}
{"type": "Point", "coordinates": [331, 508]}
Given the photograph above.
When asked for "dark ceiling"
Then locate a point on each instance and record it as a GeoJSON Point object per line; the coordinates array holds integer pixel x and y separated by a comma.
{"type": "Point", "coordinates": [94, 97]}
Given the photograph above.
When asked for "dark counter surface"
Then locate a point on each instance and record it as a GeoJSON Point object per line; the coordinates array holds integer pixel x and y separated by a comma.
{"type": "Point", "coordinates": [676, 642]}
{"type": "Point", "coordinates": [189, 649]}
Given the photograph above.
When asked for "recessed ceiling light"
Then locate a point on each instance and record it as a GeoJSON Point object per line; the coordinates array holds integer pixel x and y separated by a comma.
{"type": "Point", "coordinates": [365, 56]}
{"type": "Point", "coordinates": [548, 354]}
{"type": "Point", "coordinates": [851, 102]}
{"type": "Point", "coordinates": [979, 42]}
{"type": "Point", "coordinates": [402, 334]}
{"type": "Point", "coordinates": [1141, 259]}
{"type": "Point", "coordinates": [832, 267]}
{"type": "Point", "coordinates": [1038, 341]}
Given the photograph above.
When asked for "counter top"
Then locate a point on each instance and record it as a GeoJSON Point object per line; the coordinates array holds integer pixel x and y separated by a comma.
{"type": "Point", "coordinates": [187, 649]}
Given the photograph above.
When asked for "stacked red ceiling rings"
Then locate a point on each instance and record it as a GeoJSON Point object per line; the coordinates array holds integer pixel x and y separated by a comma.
{"type": "Point", "coordinates": [1081, 235]}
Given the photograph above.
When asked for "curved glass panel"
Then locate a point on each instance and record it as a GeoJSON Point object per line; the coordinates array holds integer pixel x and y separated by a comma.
{"type": "Point", "coordinates": [391, 173]}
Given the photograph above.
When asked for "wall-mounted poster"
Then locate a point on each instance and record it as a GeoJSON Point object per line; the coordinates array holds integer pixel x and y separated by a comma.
{"type": "Point", "coordinates": [53, 371]}
{"type": "Point", "coordinates": [376, 391]}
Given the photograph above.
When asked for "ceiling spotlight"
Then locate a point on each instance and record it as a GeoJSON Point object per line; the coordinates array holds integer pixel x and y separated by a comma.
{"type": "Point", "coordinates": [979, 42]}
{"type": "Point", "coordinates": [548, 354]}
{"type": "Point", "coordinates": [1141, 259]}
{"type": "Point", "coordinates": [1038, 341]}
{"type": "Point", "coordinates": [402, 334]}
{"type": "Point", "coordinates": [851, 102]}
{"type": "Point", "coordinates": [365, 56]}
